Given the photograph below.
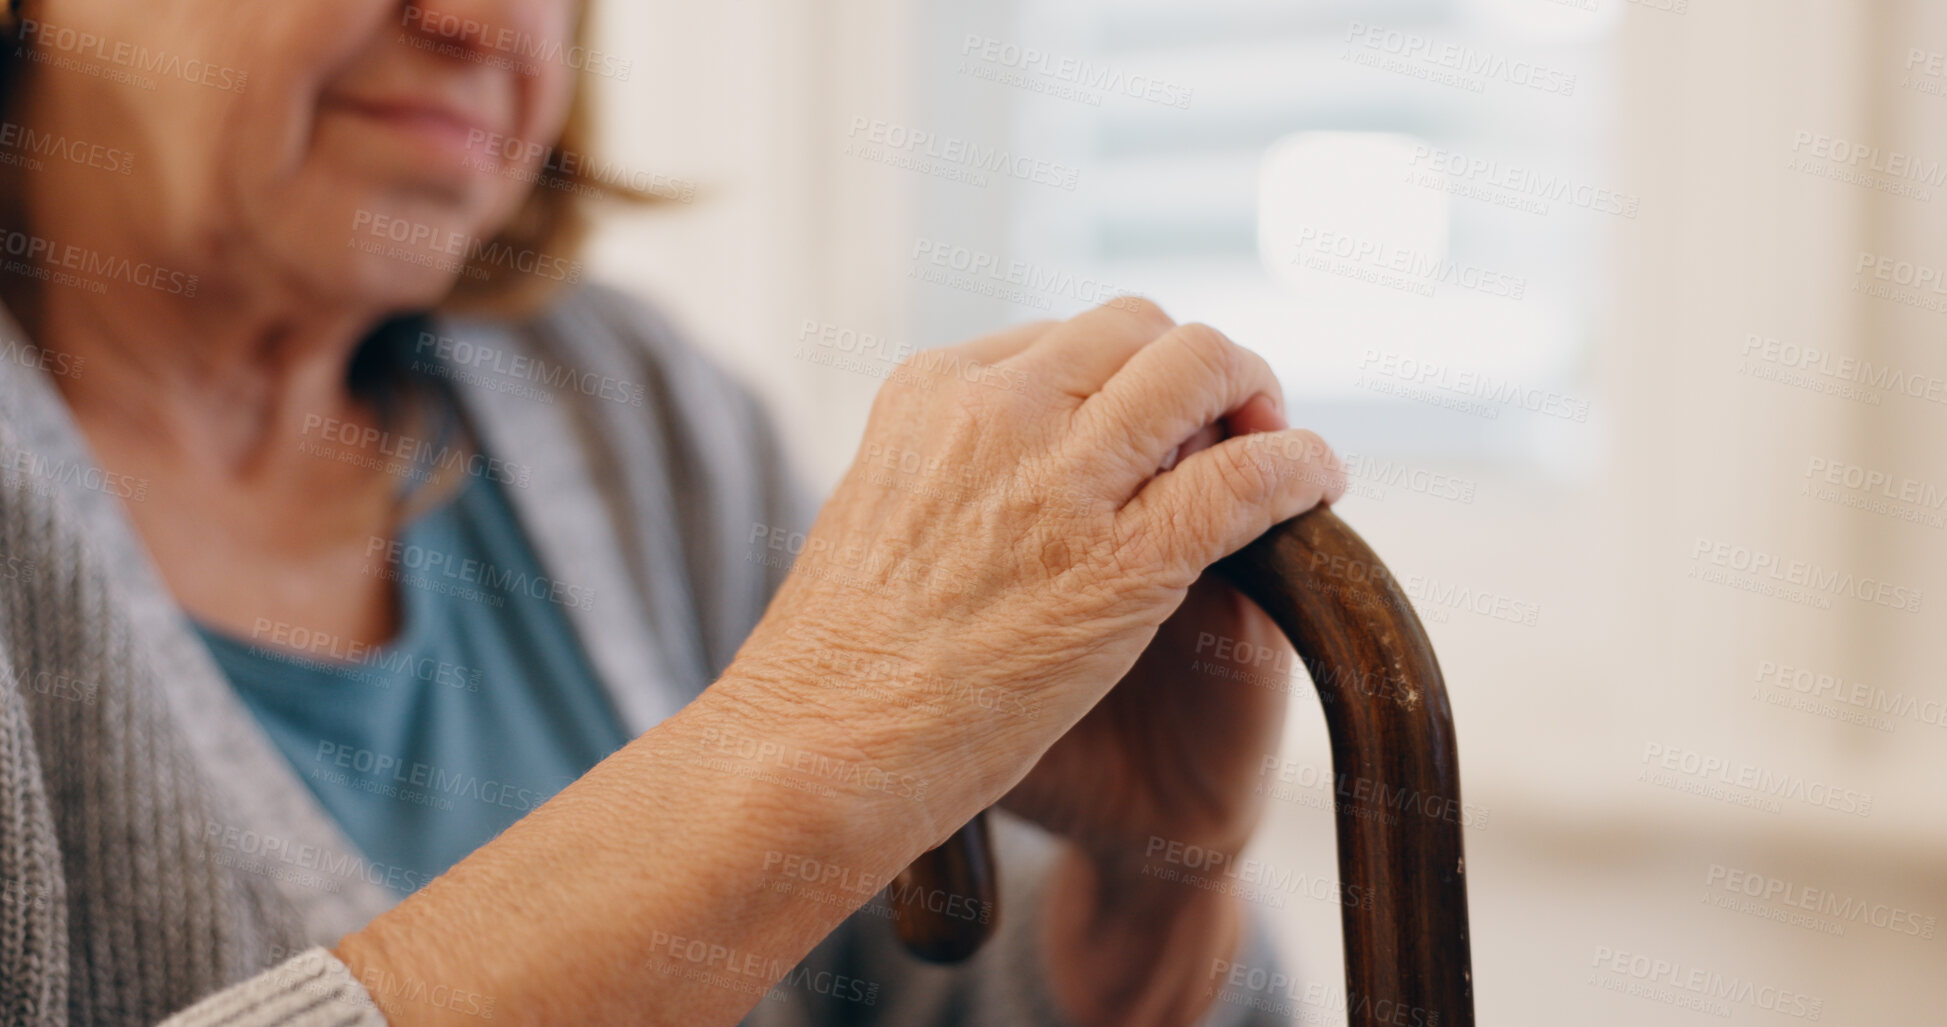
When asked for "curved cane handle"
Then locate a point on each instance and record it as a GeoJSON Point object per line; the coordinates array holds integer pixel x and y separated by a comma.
{"type": "Point", "coordinates": [956, 878]}
{"type": "Point", "coordinates": [1396, 769]}
{"type": "Point", "coordinates": [1397, 781]}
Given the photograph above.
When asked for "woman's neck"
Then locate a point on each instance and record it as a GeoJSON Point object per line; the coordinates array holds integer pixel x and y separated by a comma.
{"type": "Point", "coordinates": [261, 497]}
{"type": "Point", "coordinates": [209, 378]}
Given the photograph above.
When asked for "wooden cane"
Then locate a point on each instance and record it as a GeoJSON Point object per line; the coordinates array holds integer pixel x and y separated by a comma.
{"type": "Point", "coordinates": [1396, 783]}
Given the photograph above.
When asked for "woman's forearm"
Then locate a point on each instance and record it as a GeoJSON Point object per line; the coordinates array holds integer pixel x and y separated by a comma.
{"type": "Point", "coordinates": [661, 881]}
{"type": "Point", "coordinates": [1133, 950]}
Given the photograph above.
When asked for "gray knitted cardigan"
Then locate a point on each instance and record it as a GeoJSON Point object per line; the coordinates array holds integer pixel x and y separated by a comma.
{"type": "Point", "coordinates": [160, 860]}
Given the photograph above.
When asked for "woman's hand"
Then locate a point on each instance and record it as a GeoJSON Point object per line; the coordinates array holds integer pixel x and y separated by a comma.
{"type": "Point", "coordinates": [1153, 789]}
{"type": "Point", "coordinates": [1008, 542]}
{"type": "Point", "coordinates": [1167, 761]}
{"type": "Point", "coordinates": [998, 557]}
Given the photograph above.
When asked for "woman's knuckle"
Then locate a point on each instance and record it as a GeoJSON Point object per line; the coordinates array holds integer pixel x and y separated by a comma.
{"type": "Point", "coordinates": [997, 411]}
{"type": "Point", "coordinates": [900, 386]}
{"type": "Point", "coordinates": [1212, 349]}
{"type": "Point", "coordinates": [1244, 470]}
{"type": "Point", "coordinates": [1157, 536]}
{"type": "Point", "coordinates": [1259, 367]}
{"type": "Point", "coordinates": [1311, 459]}
{"type": "Point", "coordinates": [1308, 446]}
{"type": "Point", "coordinates": [1319, 453]}
{"type": "Point", "coordinates": [1143, 309]}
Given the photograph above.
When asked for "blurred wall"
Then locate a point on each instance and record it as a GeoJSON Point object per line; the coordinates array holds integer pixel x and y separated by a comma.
{"type": "Point", "coordinates": [746, 102]}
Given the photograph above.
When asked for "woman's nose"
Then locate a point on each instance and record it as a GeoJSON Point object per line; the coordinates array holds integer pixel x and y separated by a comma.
{"type": "Point", "coordinates": [506, 26]}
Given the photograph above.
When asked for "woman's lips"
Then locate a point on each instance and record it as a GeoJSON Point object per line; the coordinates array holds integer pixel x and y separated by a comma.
{"type": "Point", "coordinates": [445, 127]}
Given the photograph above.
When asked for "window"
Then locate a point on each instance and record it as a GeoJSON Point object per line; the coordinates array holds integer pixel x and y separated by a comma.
{"type": "Point", "coordinates": [1401, 203]}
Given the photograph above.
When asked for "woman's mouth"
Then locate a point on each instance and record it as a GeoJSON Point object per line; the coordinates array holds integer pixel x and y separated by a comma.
{"type": "Point", "coordinates": [449, 128]}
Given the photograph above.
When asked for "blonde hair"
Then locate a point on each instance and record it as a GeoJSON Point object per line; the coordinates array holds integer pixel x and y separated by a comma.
{"type": "Point", "coordinates": [552, 221]}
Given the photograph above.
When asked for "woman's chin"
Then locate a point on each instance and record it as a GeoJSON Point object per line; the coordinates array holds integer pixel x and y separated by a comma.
{"type": "Point", "coordinates": [394, 282]}
{"type": "Point", "coordinates": [372, 252]}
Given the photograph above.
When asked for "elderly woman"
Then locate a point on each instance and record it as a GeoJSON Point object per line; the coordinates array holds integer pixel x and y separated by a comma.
{"type": "Point", "coordinates": [395, 630]}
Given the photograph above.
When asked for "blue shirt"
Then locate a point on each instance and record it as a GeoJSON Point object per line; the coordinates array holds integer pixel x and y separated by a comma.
{"type": "Point", "coordinates": [485, 705]}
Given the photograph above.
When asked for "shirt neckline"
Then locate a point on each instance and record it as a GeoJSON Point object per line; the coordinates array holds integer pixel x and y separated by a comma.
{"type": "Point", "coordinates": [414, 615]}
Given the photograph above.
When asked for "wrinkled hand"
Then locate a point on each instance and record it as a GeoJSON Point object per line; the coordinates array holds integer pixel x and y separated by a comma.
{"type": "Point", "coordinates": [1008, 542]}
{"type": "Point", "coordinates": [1171, 756]}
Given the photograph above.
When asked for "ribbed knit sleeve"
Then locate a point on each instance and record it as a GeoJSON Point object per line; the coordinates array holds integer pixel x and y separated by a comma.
{"type": "Point", "coordinates": [311, 989]}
